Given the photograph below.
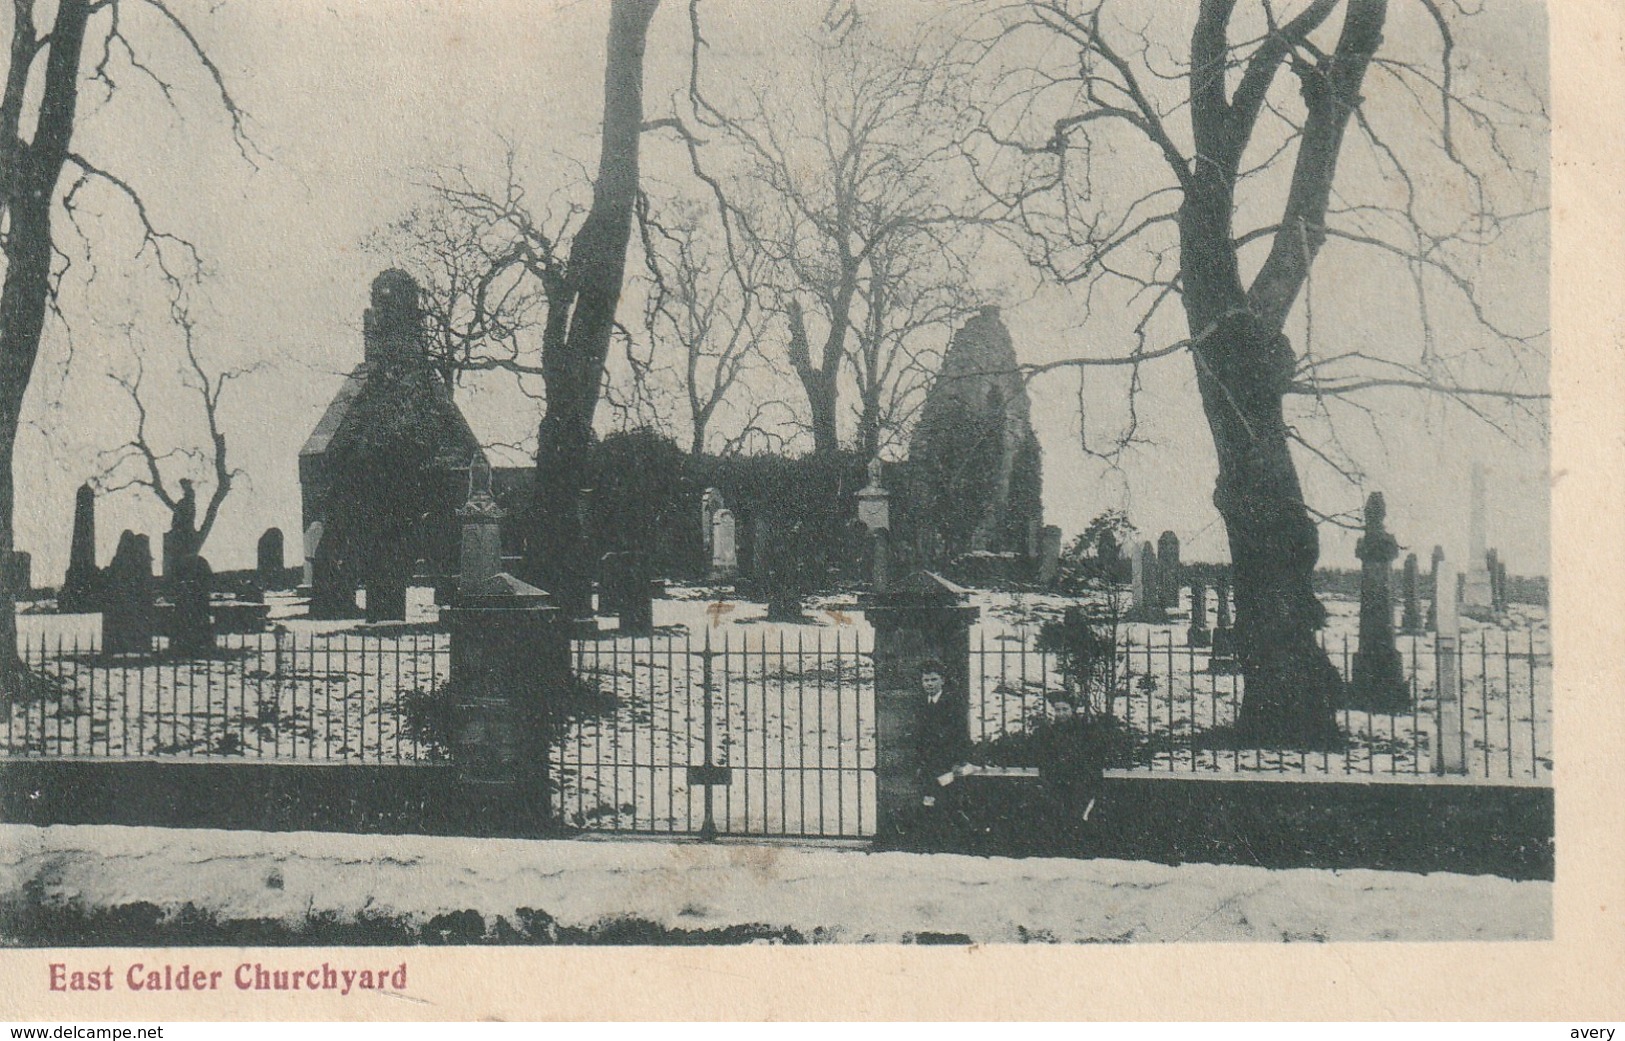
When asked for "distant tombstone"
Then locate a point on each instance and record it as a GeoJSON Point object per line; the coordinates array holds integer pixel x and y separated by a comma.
{"type": "Point", "coordinates": [1379, 678]}
{"type": "Point", "coordinates": [1049, 555]}
{"type": "Point", "coordinates": [180, 541]}
{"type": "Point", "coordinates": [781, 575]}
{"type": "Point", "coordinates": [479, 557]}
{"type": "Point", "coordinates": [1223, 660]}
{"type": "Point", "coordinates": [78, 594]}
{"type": "Point", "coordinates": [1145, 603]}
{"type": "Point", "coordinates": [1433, 590]}
{"type": "Point", "coordinates": [192, 626]}
{"type": "Point", "coordinates": [1501, 586]}
{"type": "Point", "coordinates": [724, 545]}
{"type": "Point", "coordinates": [1169, 572]}
{"type": "Point", "coordinates": [269, 558]}
{"type": "Point", "coordinates": [1411, 619]}
{"type": "Point", "coordinates": [313, 542]}
{"type": "Point", "coordinates": [1492, 563]}
{"type": "Point", "coordinates": [127, 598]}
{"type": "Point", "coordinates": [19, 571]}
{"type": "Point", "coordinates": [874, 501]}
{"type": "Point", "coordinates": [625, 589]}
{"type": "Point", "coordinates": [1199, 634]}
{"type": "Point", "coordinates": [710, 503]}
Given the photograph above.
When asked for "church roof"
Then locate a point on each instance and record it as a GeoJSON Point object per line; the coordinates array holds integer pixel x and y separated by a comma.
{"type": "Point", "coordinates": [321, 439]}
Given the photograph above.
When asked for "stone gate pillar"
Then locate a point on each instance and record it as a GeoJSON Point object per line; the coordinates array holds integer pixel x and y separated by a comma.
{"type": "Point", "coordinates": [921, 618]}
{"type": "Point", "coordinates": [510, 664]}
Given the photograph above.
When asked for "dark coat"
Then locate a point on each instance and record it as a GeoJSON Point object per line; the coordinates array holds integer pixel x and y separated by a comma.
{"type": "Point", "coordinates": [944, 733]}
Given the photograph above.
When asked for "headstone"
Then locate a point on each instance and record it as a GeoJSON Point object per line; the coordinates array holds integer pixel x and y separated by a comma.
{"type": "Point", "coordinates": [710, 503]}
{"type": "Point", "coordinates": [624, 586]}
{"type": "Point", "coordinates": [19, 571]}
{"type": "Point", "coordinates": [128, 620]}
{"type": "Point", "coordinates": [1109, 556]}
{"type": "Point", "coordinates": [1411, 619]}
{"type": "Point", "coordinates": [1452, 756]}
{"type": "Point", "coordinates": [782, 572]}
{"type": "Point", "coordinates": [1169, 572]}
{"type": "Point", "coordinates": [1503, 595]}
{"type": "Point", "coordinates": [1477, 596]}
{"type": "Point", "coordinates": [1433, 589]}
{"type": "Point", "coordinates": [269, 558]}
{"type": "Point", "coordinates": [1492, 564]}
{"type": "Point", "coordinates": [724, 546]}
{"type": "Point", "coordinates": [1049, 556]}
{"type": "Point", "coordinates": [313, 541]}
{"type": "Point", "coordinates": [480, 557]}
{"type": "Point", "coordinates": [180, 541]}
{"type": "Point", "coordinates": [191, 630]}
{"type": "Point", "coordinates": [1379, 678]}
{"type": "Point", "coordinates": [874, 501]}
{"type": "Point", "coordinates": [1223, 661]}
{"type": "Point", "coordinates": [1144, 600]}
{"type": "Point", "coordinates": [78, 594]}
{"type": "Point", "coordinates": [1199, 635]}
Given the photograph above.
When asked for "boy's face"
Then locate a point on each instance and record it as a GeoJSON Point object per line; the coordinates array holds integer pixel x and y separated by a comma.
{"type": "Point", "coordinates": [931, 683]}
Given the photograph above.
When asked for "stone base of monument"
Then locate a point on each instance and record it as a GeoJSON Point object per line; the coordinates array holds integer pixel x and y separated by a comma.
{"type": "Point", "coordinates": [510, 666]}
{"type": "Point", "coordinates": [1378, 684]}
{"type": "Point", "coordinates": [238, 616]}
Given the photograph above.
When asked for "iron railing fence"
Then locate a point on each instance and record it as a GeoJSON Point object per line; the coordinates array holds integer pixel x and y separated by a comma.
{"type": "Point", "coordinates": [1178, 707]}
{"type": "Point", "coordinates": [734, 731]}
{"type": "Point", "coordinates": [304, 696]}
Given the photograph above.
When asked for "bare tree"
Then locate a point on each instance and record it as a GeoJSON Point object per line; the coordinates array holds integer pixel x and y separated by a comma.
{"type": "Point", "coordinates": [45, 73]}
{"type": "Point", "coordinates": [1075, 94]}
{"type": "Point", "coordinates": [139, 464]}
{"type": "Point", "coordinates": [840, 191]}
{"type": "Point", "coordinates": [704, 307]}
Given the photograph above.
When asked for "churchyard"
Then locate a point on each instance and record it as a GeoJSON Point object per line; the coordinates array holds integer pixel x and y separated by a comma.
{"type": "Point", "coordinates": [739, 671]}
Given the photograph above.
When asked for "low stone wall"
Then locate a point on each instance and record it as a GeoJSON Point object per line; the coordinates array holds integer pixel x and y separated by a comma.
{"type": "Point", "coordinates": [1470, 828]}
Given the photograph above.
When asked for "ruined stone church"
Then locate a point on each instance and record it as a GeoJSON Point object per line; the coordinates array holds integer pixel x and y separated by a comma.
{"type": "Point", "coordinates": [382, 475]}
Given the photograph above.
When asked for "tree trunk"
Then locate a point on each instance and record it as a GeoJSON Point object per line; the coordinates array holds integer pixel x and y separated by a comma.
{"type": "Point", "coordinates": [1292, 689]}
{"type": "Point", "coordinates": [30, 183]}
{"type": "Point", "coordinates": [573, 361]}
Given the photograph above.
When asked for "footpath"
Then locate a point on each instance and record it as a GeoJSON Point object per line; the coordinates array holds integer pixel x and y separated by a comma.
{"type": "Point", "coordinates": [110, 885]}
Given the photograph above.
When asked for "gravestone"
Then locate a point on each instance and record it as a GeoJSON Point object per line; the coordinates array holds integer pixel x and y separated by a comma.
{"type": "Point", "coordinates": [128, 619]}
{"type": "Point", "coordinates": [1504, 600]}
{"type": "Point", "coordinates": [1477, 597]}
{"type": "Point", "coordinates": [19, 571]}
{"type": "Point", "coordinates": [480, 554]}
{"type": "Point", "coordinates": [1144, 600]}
{"type": "Point", "coordinates": [1411, 619]}
{"type": "Point", "coordinates": [781, 565]}
{"type": "Point", "coordinates": [880, 563]}
{"type": "Point", "coordinates": [624, 589]}
{"type": "Point", "coordinates": [1199, 634]}
{"type": "Point", "coordinates": [312, 541]}
{"type": "Point", "coordinates": [1169, 572]}
{"type": "Point", "coordinates": [724, 546]}
{"type": "Point", "coordinates": [269, 558]}
{"type": "Point", "coordinates": [191, 629]}
{"type": "Point", "coordinates": [1049, 556]}
{"type": "Point", "coordinates": [710, 503]}
{"type": "Point", "coordinates": [1223, 660]}
{"type": "Point", "coordinates": [1433, 590]}
{"type": "Point", "coordinates": [1379, 678]}
{"type": "Point", "coordinates": [78, 594]}
{"type": "Point", "coordinates": [1110, 557]}
{"type": "Point", "coordinates": [874, 501]}
{"type": "Point", "coordinates": [180, 541]}
{"type": "Point", "coordinates": [1492, 564]}
{"type": "Point", "coordinates": [1451, 724]}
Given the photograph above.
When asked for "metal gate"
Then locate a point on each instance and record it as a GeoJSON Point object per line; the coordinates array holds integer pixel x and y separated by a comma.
{"type": "Point", "coordinates": [739, 734]}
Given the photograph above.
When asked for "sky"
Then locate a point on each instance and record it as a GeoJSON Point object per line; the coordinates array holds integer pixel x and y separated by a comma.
{"type": "Point", "coordinates": [353, 106]}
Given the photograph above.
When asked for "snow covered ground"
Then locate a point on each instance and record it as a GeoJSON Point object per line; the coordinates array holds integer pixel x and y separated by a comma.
{"type": "Point", "coordinates": [313, 887]}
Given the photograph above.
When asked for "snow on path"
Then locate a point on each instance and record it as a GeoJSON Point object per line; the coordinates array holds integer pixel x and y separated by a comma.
{"type": "Point", "coordinates": [825, 894]}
